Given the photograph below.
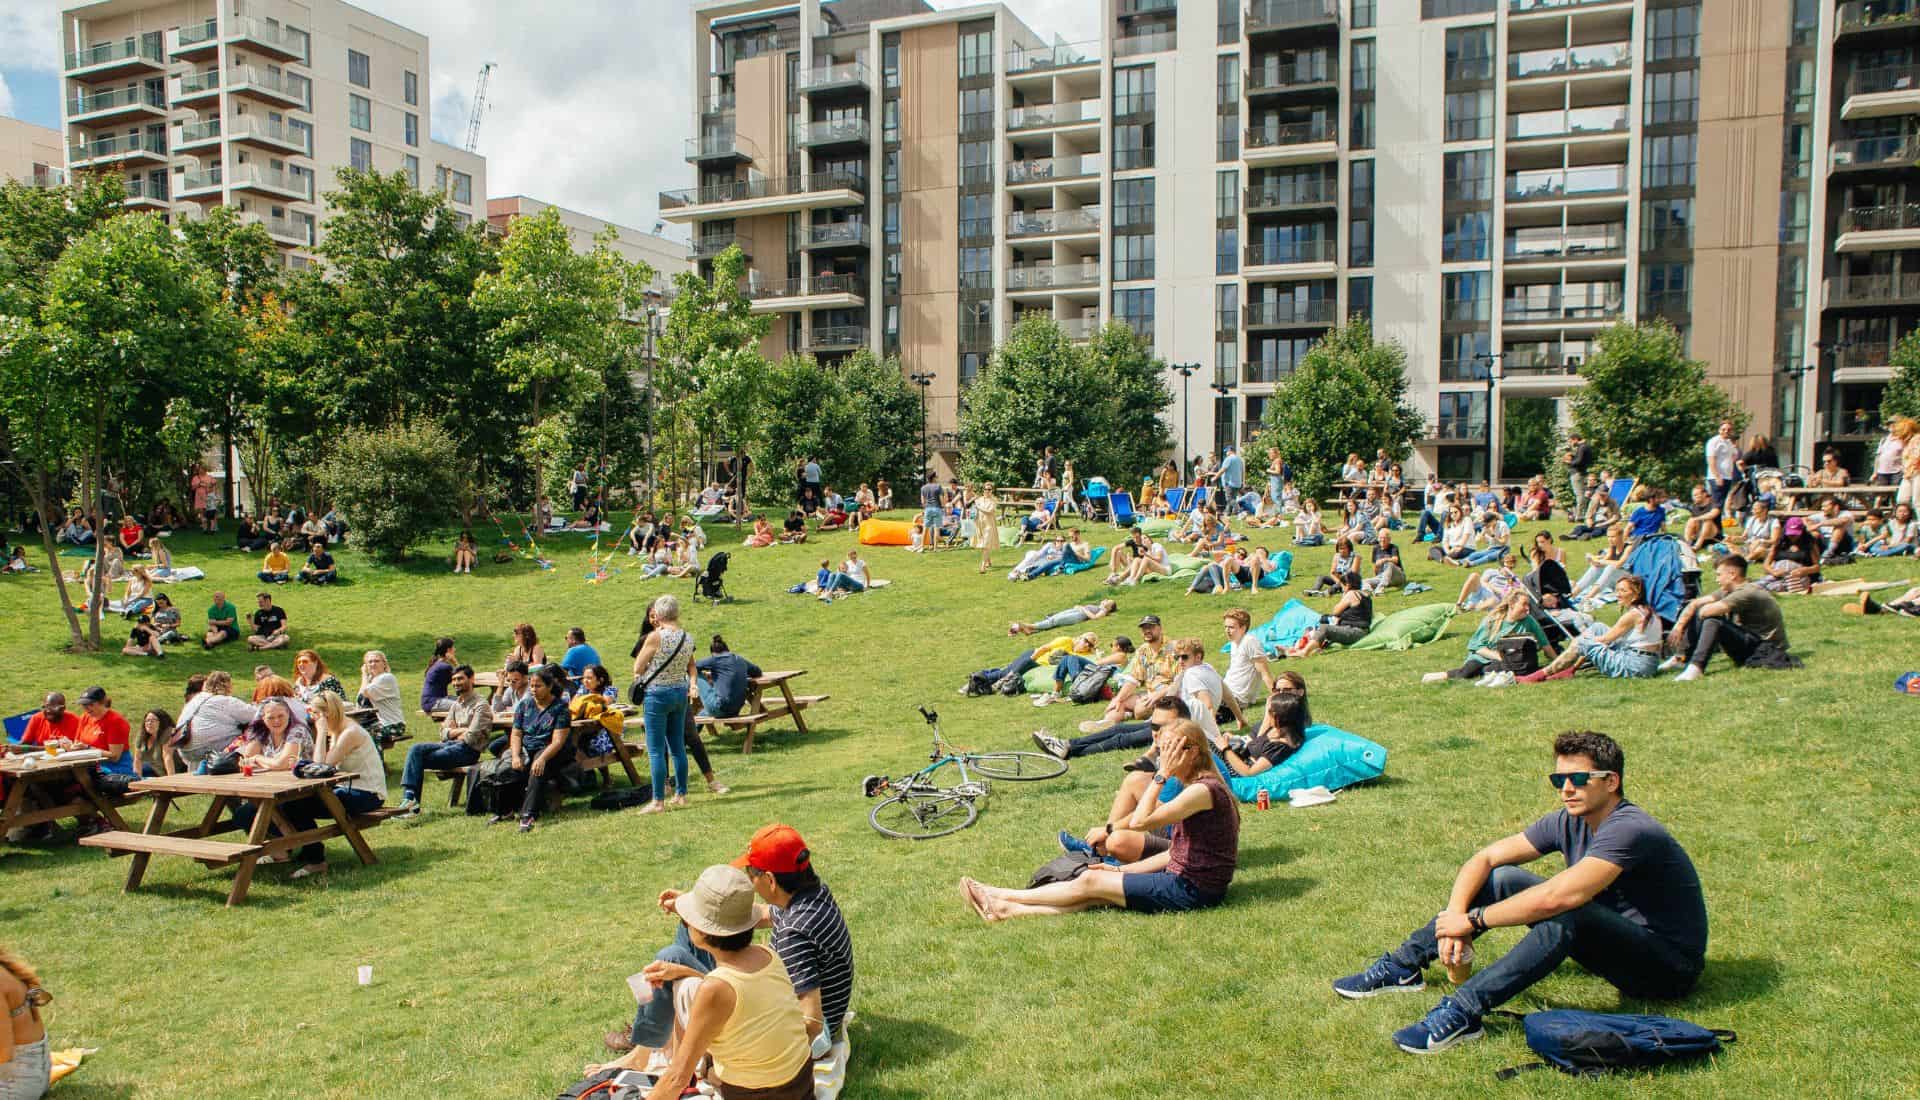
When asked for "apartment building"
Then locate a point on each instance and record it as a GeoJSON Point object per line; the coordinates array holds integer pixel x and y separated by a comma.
{"type": "Point", "coordinates": [31, 154]}
{"type": "Point", "coordinates": [251, 105]}
{"type": "Point", "coordinates": [1492, 182]}
{"type": "Point", "coordinates": [668, 257]}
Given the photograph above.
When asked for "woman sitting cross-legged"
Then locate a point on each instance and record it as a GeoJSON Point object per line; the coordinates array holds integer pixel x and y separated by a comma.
{"type": "Point", "coordinates": [1345, 560]}
{"type": "Point", "coordinates": [1231, 570]}
{"type": "Point", "coordinates": [1189, 870]}
{"type": "Point", "coordinates": [1629, 650]}
{"type": "Point", "coordinates": [1512, 617]}
{"type": "Point", "coordinates": [1347, 623]}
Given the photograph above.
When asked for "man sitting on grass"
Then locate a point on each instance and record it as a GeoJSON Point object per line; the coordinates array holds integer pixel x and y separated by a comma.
{"type": "Point", "coordinates": [1741, 618]}
{"type": "Point", "coordinates": [275, 569]}
{"type": "Point", "coordinates": [269, 625]}
{"type": "Point", "coordinates": [223, 622]}
{"type": "Point", "coordinates": [1628, 907]}
{"type": "Point", "coordinates": [319, 568]}
{"type": "Point", "coordinates": [1190, 869]}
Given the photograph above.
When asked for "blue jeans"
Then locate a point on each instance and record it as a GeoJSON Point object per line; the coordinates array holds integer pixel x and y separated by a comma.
{"type": "Point", "coordinates": [1428, 522]}
{"type": "Point", "coordinates": [424, 758]}
{"type": "Point", "coordinates": [1126, 735]}
{"type": "Point", "coordinates": [653, 1023]}
{"type": "Point", "coordinates": [1068, 667]}
{"type": "Point", "coordinates": [665, 714]}
{"type": "Point", "coordinates": [1892, 551]}
{"type": "Point", "coordinates": [1635, 960]}
{"type": "Point", "coordinates": [1486, 557]}
{"type": "Point", "coordinates": [710, 700]}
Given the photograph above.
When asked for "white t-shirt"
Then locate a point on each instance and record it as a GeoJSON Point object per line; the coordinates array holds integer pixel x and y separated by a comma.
{"type": "Point", "coordinates": [1202, 677]}
{"type": "Point", "coordinates": [1722, 459]}
{"type": "Point", "coordinates": [1887, 460]}
{"type": "Point", "coordinates": [1241, 675]}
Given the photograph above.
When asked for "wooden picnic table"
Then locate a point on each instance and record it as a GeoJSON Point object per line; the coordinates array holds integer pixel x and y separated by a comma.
{"type": "Point", "coordinates": [267, 792]}
{"type": "Point", "coordinates": [486, 680]}
{"type": "Point", "coordinates": [623, 753]}
{"type": "Point", "coordinates": [758, 710]}
{"type": "Point", "coordinates": [1838, 491]}
{"type": "Point", "coordinates": [42, 788]}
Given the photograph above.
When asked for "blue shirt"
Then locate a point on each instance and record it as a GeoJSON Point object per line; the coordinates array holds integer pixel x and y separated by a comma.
{"type": "Point", "coordinates": [1233, 471]}
{"type": "Point", "coordinates": [812, 473]}
{"type": "Point", "coordinates": [1485, 499]}
{"type": "Point", "coordinates": [578, 658]}
{"type": "Point", "coordinates": [1657, 888]}
{"type": "Point", "coordinates": [730, 675]}
{"type": "Point", "coordinates": [538, 727]}
{"type": "Point", "coordinates": [434, 686]}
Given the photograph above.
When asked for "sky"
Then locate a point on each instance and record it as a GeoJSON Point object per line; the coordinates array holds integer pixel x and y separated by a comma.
{"type": "Point", "coordinates": [570, 121]}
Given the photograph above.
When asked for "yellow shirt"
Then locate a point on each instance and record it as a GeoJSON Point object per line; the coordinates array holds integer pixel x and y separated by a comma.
{"type": "Point", "coordinates": [276, 562]}
{"type": "Point", "coordinates": [1059, 647]}
{"type": "Point", "coordinates": [764, 1043]}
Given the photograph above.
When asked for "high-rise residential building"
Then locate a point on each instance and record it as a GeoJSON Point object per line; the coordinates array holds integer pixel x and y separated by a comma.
{"type": "Point", "coordinates": [667, 257]}
{"type": "Point", "coordinates": [1491, 182]}
{"type": "Point", "coordinates": [31, 154]}
{"type": "Point", "coordinates": [251, 105]}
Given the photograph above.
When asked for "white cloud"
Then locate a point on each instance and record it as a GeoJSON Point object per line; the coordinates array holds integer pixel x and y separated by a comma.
{"type": "Point", "coordinates": [29, 35]}
{"type": "Point", "coordinates": [6, 98]}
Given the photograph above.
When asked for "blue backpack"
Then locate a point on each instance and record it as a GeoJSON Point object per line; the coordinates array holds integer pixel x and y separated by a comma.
{"type": "Point", "coordinates": [1593, 1043]}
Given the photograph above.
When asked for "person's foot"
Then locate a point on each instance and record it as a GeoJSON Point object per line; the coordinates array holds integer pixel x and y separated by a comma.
{"type": "Point", "coordinates": [1672, 663]}
{"type": "Point", "coordinates": [1049, 744]}
{"type": "Point", "coordinates": [526, 824]}
{"type": "Point", "coordinates": [1140, 764]}
{"type": "Point", "coordinates": [1689, 675]}
{"type": "Point", "coordinates": [1563, 674]}
{"type": "Point", "coordinates": [976, 897]}
{"type": "Point", "coordinates": [677, 802]}
{"type": "Point", "coordinates": [1384, 976]}
{"type": "Point", "coordinates": [496, 819]}
{"type": "Point", "coordinates": [1447, 1025]}
{"type": "Point", "coordinates": [1073, 845]}
{"type": "Point", "coordinates": [714, 786]}
{"type": "Point", "coordinates": [1095, 725]}
{"type": "Point", "coordinates": [309, 871]}
{"type": "Point", "coordinates": [1533, 677]}
{"type": "Point", "coordinates": [1046, 699]}
{"type": "Point", "coordinates": [1434, 678]}
{"type": "Point", "coordinates": [618, 1041]}
{"type": "Point", "coordinates": [409, 808]}
{"type": "Point", "coordinates": [654, 808]}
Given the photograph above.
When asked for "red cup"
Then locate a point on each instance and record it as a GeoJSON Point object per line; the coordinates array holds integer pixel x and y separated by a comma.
{"type": "Point", "coordinates": [247, 770]}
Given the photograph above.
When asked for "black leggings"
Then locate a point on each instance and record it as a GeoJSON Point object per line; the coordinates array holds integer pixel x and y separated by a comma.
{"type": "Point", "coordinates": [697, 748]}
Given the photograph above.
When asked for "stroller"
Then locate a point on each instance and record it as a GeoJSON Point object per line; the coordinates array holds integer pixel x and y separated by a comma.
{"type": "Point", "coordinates": [710, 584]}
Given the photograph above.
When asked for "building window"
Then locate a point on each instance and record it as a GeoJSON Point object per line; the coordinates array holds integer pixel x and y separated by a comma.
{"type": "Point", "coordinates": [890, 171]}
{"type": "Point", "coordinates": [1794, 217]}
{"type": "Point", "coordinates": [1133, 91]}
{"type": "Point", "coordinates": [1673, 96]}
{"type": "Point", "coordinates": [976, 54]}
{"type": "Point", "coordinates": [359, 69]}
{"type": "Point", "coordinates": [1363, 65]}
{"type": "Point", "coordinates": [1360, 297]}
{"type": "Point", "coordinates": [1469, 116]}
{"type": "Point", "coordinates": [1226, 142]}
{"type": "Point", "coordinates": [1226, 195]}
{"type": "Point", "coordinates": [1673, 33]}
{"type": "Point", "coordinates": [1465, 237]}
{"type": "Point", "coordinates": [413, 129]}
{"type": "Point", "coordinates": [1466, 296]}
{"type": "Point", "coordinates": [360, 112]}
{"type": "Point", "coordinates": [1799, 150]}
{"type": "Point", "coordinates": [1133, 146]}
{"type": "Point", "coordinates": [1664, 289]}
{"type": "Point", "coordinates": [976, 164]}
{"type": "Point", "coordinates": [1134, 309]}
{"type": "Point", "coordinates": [1132, 256]}
{"type": "Point", "coordinates": [976, 111]}
{"type": "Point", "coordinates": [890, 122]}
{"type": "Point", "coordinates": [1806, 22]}
{"type": "Point", "coordinates": [1132, 204]}
{"type": "Point", "coordinates": [360, 154]}
{"type": "Point", "coordinates": [463, 189]}
{"type": "Point", "coordinates": [1470, 53]}
{"type": "Point", "coordinates": [1227, 16]}
{"type": "Point", "coordinates": [890, 62]}
{"type": "Point", "coordinates": [1666, 223]}
{"type": "Point", "coordinates": [1362, 135]}
{"type": "Point", "coordinates": [976, 273]}
{"type": "Point", "coordinates": [890, 224]}
{"type": "Point", "coordinates": [410, 88]}
{"type": "Point", "coordinates": [410, 164]}
{"type": "Point", "coordinates": [1669, 160]}
{"type": "Point", "coordinates": [1226, 251]}
{"type": "Point", "coordinates": [976, 216]}
{"type": "Point", "coordinates": [1226, 309]}
{"type": "Point", "coordinates": [1799, 87]}
{"type": "Point", "coordinates": [1360, 242]}
{"type": "Point", "coordinates": [1467, 176]}
{"type": "Point", "coordinates": [1363, 14]}
{"type": "Point", "coordinates": [1226, 90]}
{"type": "Point", "coordinates": [1793, 288]}
{"type": "Point", "coordinates": [1360, 185]}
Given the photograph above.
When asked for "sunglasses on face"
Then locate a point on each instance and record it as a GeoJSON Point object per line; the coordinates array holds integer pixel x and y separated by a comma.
{"type": "Point", "coordinates": [1559, 780]}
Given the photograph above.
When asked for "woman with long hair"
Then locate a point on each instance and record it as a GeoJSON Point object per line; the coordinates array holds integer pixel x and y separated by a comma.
{"type": "Point", "coordinates": [26, 1067]}
{"type": "Point", "coordinates": [363, 787]}
{"type": "Point", "coordinates": [526, 647]}
{"type": "Point", "coordinates": [1347, 623]}
{"type": "Point", "coordinates": [986, 525]}
{"type": "Point", "coordinates": [153, 743]}
{"type": "Point", "coordinates": [310, 677]}
{"type": "Point", "coordinates": [380, 691]}
{"type": "Point", "coordinates": [1606, 565]}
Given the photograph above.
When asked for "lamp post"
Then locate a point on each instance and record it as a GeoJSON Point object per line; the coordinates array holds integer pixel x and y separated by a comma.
{"type": "Point", "coordinates": [653, 319]}
{"type": "Point", "coordinates": [1492, 360]}
{"type": "Point", "coordinates": [923, 379]}
{"type": "Point", "coordinates": [1799, 373]}
{"type": "Point", "coordinates": [1186, 418]}
{"type": "Point", "coordinates": [1222, 387]}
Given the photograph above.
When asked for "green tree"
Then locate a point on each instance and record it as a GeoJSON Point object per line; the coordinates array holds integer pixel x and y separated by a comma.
{"type": "Point", "coordinates": [1902, 396]}
{"type": "Point", "coordinates": [393, 485]}
{"type": "Point", "coordinates": [1348, 395]}
{"type": "Point", "coordinates": [1133, 397]}
{"type": "Point", "coordinates": [889, 409]}
{"type": "Point", "coordinates": [1040, 390]}
{"type": "Point", "coordinates": [1646, 408]}
{"type": "Point", "coordinates": [808, 411]}
{"type": "Point", "coordinates": [1529, 437]}
{"type": "Point", "coordinates": [710, 370]}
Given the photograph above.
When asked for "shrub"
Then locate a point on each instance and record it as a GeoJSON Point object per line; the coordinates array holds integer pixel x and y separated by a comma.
{"type": "Point", "coordinates": [393, 486]}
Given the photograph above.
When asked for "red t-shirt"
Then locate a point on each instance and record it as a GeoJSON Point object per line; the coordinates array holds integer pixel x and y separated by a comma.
{"type": "Point", "coordinates": [109, 733]}
{"type": "Point", "coordinates": [40, 731]}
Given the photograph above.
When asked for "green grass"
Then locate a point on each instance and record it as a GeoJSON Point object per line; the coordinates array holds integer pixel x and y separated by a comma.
{"type": "Point", "coordinates": [499, 959]}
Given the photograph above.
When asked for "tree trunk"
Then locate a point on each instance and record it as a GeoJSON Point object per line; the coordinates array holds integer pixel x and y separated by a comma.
{"type": "Point", "coordinates": [39, 490]}
{"type": "Point", "coordinates": [232, 490]}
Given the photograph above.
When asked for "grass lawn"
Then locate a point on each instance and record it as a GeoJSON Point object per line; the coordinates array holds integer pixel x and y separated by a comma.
{"type": "Point", "coordinates": [499, 959]}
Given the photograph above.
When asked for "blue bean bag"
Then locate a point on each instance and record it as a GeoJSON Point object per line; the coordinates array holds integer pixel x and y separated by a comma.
{"type": "Point", "coordinates": [1070, 568]}
{"type": "Point", "coordinates": [1282, 570]}
{"type": "Point", "coordinates": [1285, 628]}
{"type": "Point", "coordinates": [1331, 758]}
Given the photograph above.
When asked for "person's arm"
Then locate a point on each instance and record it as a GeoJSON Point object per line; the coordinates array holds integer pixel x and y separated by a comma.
{"type": "Point", "coordinates": [645, 656]}
{"type": "Point", "coordinates": [1628, 620]}
{"type": "Point", "coordinates": [515, 758]}
{"type": "Point", "coordinates": [562, 733]}
{"type": "Point", "coordinates": [712, 1007]}
{"type": "Point", "coordinates": [1151, 815]}
{"type": "Point", "coordinates": [1452, 925]}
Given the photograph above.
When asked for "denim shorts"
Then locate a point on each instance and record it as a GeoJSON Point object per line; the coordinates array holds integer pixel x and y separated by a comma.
{"type": "Point", "coordinates": [1164, 892]}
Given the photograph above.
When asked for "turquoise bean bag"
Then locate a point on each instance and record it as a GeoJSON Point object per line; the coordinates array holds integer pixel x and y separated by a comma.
{"type": "Point", "coordinates": [1093, 559]}
{"type": "Point", "coordinates": [1331, 758]}
{"type": "Point", "coordinates": [1411, 627]}
{"type": "Point", "coordinates": [1285, 628]}
{"type": "Point", "coordinates": [1280, 573]}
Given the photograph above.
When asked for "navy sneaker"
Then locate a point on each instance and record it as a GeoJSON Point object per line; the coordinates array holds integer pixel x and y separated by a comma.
{"type": "Point", "coordinates": [1384, 976]}
{"type": "Point", "coordinates": [1072, 844]}
{"type": "Point", "coordinates": [1445, 1026]}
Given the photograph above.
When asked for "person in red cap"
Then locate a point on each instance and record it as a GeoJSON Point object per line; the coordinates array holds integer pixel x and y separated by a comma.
{"type": "Point", "coordinates": [809, 935]}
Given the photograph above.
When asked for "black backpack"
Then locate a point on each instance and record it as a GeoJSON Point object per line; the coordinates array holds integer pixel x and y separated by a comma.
{"type": "Point", "coordinates": [1091, 685]}
{"type": "Point", "coordinates": [495, 788]}
{"type": "Point", "coordinates": [1590, 1044]}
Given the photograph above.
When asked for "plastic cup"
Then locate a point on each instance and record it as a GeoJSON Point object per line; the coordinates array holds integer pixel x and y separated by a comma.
{"type": "Point", "coordinates": [365, 975]}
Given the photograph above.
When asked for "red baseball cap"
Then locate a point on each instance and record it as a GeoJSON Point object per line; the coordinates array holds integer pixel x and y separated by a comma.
{"type": "Point", "coordinates": [776, 848]}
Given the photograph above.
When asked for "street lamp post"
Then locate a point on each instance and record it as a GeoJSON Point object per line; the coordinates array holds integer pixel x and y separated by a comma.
{"type": "Point", "coordinates": [1186, 416]}
{"type": "Point", "coordinates": [1492, 360]}
{"type": "Point", "coordinates": [923, 379]}
{"type": "Point", "coordinates": [1830, 348]}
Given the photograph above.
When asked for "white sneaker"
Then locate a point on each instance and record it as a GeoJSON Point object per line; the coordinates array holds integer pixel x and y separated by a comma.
{"type": "Point", "coordinates": [1048, 699]}
{"type": "Point", "coordinates": [1434, 678]}
{"type": "Point", "coordinates": [1691, 674]}
{"type": "Point", "coordinates": [1672, 663]}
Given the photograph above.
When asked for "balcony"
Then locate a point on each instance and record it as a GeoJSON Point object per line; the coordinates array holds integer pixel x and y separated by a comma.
{"type": "Point", "coordinates": [819, 292]}
{"type": "Point", "coordinates": [1882, 92]}
{"type": "Point", "coordinates": [273, 136]}
{"type": "Point", "coordinates": [1290, 313]}
{"type": "Point", "coordinates": [1045, 59]}
{"type": "Point", "coordinates": [1073, 112]}
{"type": "Point", "coordinates": [202, 184]}
{"type": "Point", "coordinates": [1574, 61]}
{"type": "Point", "coordinates": [1309, 72]}
{"type": "Point", "coordinates": [196, 87]}
{"type": "Point", "coordinates": [283, 230]}
{"type": "Point", "coordinates": [1053, 169]}
{"type": "Point", "coordinates": [115, 105]}
{"type": "Point", "coordinates": [1865, 154]}
{"type": "Point", "coordinates": [1289, 253]}
{"type": "Point", "coordinates": [198, 134]}
{"type": "Point", "coordinates": [1873, 290]}
{"type": "Point", "coordinates": [1263, 16]}
{"type": "Point", "coordinates": [1046, 278]}
{"type": "Point", "coordinates": [196, 42]}
{"type": "Point", "coordinates": [1049, 223]}
{"type": "Point", "coordinates": [1567, 184]}
{"type": "Point", "coordinates": [1273, 198]}
{"type": "Point", "coordinates": [848, 76]}
{"type": "Point", "coordinates": [735, 48]}
{"type": "Point", "coordinates": [764, 195]}
{"type": "Point", "coordinates": [1545, 7]}
{"type": "Point", "coordinates": [111, 60]}
{"type": "Point", "coordinates": [715, 106]}
{"type": "Point", "coordinates": [835, 132]}
{"type": "Point", "coordinates": [1574, 244]}
{"type": "Point", "coordinates": [118, 150]}
{"type": "Point", "coordinates": [837, 338]}
{"type": "Point", "coordinates": [1265, 372]}
{"type": "Point", "coordinates": [45, 178]}
{"type": "Point", "coordinates": [1136, 45]}
{"type": "Point", "coordinates": [1577, 122]}
{"type": "Point", "coordinates": [835, 237]}
{"type": "Point", "coordinates": [1079, 330]}
{"type": "Point", "coordinates": [273, 182]}
{"type": "Point", "coordinates": [1666, 238]}
{"type": "Point", "coordinates": [279, 89]}
{"type": "Point", "coordinates": [1455, 429]}
{"type": "Point", "coordinates": [1875, 18]}
{"type": "Point", "coordinates": [720, 148]}
{"type": "Point", "coordinates": [1276, 143]}
{"type": "Point", "coordinates": [142, 193]}
{"type": "Point", "coordinates": [1558, 307]}
{"type": "Point", "coordinates": [706, 246]}
{"type": "Point", "coordinates": [1879, 228]}
{"type": "Point", "coordinates": [273, 39]}
{"type": "Point", "coordinates": [1128, 9]}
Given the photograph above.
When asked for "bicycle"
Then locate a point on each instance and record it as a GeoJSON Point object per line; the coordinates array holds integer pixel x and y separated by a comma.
{"type": "Point", "coordinates": [920, 809]}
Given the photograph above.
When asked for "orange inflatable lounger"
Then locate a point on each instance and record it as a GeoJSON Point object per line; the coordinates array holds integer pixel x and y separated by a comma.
{"type": "Point", "coordinates": [886, 532]}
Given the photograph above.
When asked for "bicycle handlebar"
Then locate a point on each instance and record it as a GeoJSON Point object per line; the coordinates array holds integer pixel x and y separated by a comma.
{"type": "Point", "coordinates": [930, 716]}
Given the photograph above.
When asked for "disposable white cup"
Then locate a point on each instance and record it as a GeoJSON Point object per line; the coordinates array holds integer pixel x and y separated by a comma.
{"type": "Point", "coordinates": [366, 975]}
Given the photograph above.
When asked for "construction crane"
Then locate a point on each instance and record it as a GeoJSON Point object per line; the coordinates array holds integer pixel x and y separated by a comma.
{"type": "Point", "coordinates": [479, 106]}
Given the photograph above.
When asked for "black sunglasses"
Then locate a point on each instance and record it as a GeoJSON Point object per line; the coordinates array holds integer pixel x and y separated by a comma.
{"type": "Point", "coordinates": [1579, 779]}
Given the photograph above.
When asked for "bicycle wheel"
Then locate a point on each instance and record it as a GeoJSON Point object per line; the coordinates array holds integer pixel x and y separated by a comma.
{"type": "Point", "coordinates": [922, 815]}
{"type": "Point", "coordinates": [1017, 765]}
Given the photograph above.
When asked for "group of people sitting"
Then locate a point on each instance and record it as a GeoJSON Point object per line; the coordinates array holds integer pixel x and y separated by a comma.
{"type": "Point", "coordinates": [295, 529]}
{"type": "Point", "coordinates": [319, 568]}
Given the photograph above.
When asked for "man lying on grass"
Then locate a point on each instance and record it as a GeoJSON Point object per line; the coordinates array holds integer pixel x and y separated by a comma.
{"type": "Point", "coordinates": [1628, 906]}
{"type": "Point", "coordinates": [1189, 870]}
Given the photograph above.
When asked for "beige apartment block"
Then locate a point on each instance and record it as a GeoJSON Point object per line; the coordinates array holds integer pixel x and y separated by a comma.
{"type": "Point", "coordinates": [665, 255]}
{"type": "Point", "coordinates": [253, 105]}
{"type": "Point", "coordinates": [31, 154]}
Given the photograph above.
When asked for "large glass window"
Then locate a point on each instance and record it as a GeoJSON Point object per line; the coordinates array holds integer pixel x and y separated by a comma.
{"type": "Point", "coordinates": [1465, 237]}
{"type": "Point", "coordinates": [1470, 53]}
{"type": "Point", "coordinates": [1363, 14]}
{"type": "Point", "coordinates": [1132, 204]}
{"type": "Point", "coordinates": [1133, 146]}
{"type": "Point", "coordinates": [1360, 184]}
{"type": "Point", "coordinates": [1361, 136]}
{"type": "Point", "coordinates": [1469, 115]}
{"type": "Point", "coordinates": [1467, 176]}
{"type": "Point", "coordinates": [976, 54]}
{"type": "Point", "coordinates": [413, 129]}
{"type": "Point", "coordinates": [1226, 81]}
{"type": "Point", "coordinates": [410, 88]}
{"type": "Point", "coordinates": [1226, 309]}
{"type": "Point", "coordinates": [1669, 160]}
{"type": "Point", "coordinates": [1226, 251]}
{"type": "Point", "coordinates": [1360, 297]}
{"type": "Point", "coordinates": [359, 69]}
{"type": "Point", "coordinates": [1132, 256]}
{"type": "Point", "coordinates": [1362, 65]}
{"type": "Point", "coordinates": [1134, 309]}
{"type": "Point", "coordinates": [1673, 33]}
{"type": "Point", "coordinates": [1673, 96]}
{"type": "Point", "coordinates": [1133, 90]}
{"type": "Point", "coordinates": [360, 112]}
{"type": "Point", "coordinates": [1226, 194]}
{"type": "Point", "coordinates": [360, 154]}
{"type": "Point", "coordinates": [1664, 289]}
{"type": "Point", "coordinates": [1466, 296]}
{"type": "Point", "coordinates": [1227, 16]}
{"type": "Point", "coordinates": [410, 164]}
{"type": "Point", "coordinates": [976, 110]}
{"type": "Point", "coordinates": [1666, 223]}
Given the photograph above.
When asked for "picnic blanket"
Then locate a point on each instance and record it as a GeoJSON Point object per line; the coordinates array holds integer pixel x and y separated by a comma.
{"type": "Point", "coordinates": [181, 573]}
{"type": "Point", "coordinates": [1855, 587]}
{"type": "Point", "coordinates": [1411, 627]}
{"type": "Point", "coordinates": [1330, 758]}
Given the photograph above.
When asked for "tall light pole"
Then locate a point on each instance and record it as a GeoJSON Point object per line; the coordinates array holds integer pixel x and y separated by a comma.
{"type": "Point", "coordinates": [923, 379]}
{"type": "Point", "coordinates": [1492, 360]}
{"type": "Point", "coordinates": [1187, 371]}
{"type": "Point", "coordinates": [1830, 348]}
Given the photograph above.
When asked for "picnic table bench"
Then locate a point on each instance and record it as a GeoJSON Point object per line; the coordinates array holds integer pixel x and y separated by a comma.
{"type": "Point", "coordinates": [267, 792]}
{"type": "Point", "coordinates": [759, 710]}
{"type": "Point", "coordinates": [623, 754]}
{"type": "Point", "coordinates": [42, 788]}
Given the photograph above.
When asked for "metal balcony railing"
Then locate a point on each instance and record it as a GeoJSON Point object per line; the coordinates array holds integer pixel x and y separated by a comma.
{"type": "Point", "coordinates": [1280, 135]}
{"type": "Point", "coordinates": [1265, 372]}
{"type": "Point", "coordinates": [1053, 276]}
{"type": "Point", "coordinates": [763, 188]}
{"type": "Point", "coordinates": [1060, 56]}
{"type": "Point", "coordinates": [1873, 289]}
{"type": "Point", "coordinates": [1054, 168]}
{"type": "Point", "coordinates": [1860, 15]}
{"type": "Point", "coordinates": [1884, 78]}
{"type": "Point", "coordinates": [1893, 150]}
{"type": "Point", "coordinates": [1290, 311]}
{"type": "Point", "coordinates": [1880, 219]}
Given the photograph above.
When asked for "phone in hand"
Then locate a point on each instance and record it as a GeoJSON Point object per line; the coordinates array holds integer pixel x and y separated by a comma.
{"type": "Point", "coordinates": [633, 1078]}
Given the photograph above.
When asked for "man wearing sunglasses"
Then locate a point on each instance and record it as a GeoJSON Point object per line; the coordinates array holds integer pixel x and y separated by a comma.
{"type": "Point", "coordinates": [1628, 906]}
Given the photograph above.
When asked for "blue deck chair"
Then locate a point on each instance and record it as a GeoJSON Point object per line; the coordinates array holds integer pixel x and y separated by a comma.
{"type": "Point", "coordinates": [1199, 498]}
{"type": "Point", "coordinates": [1096, 498]}
{"type": "Point", "coordinates": [1620, 490]}
{"type": "Point", "coordinates": [1123, 514]}
{"type": "Point", "coordinates": [16, 725]}
{"type": "Point", "coordinates": [1175, 496]}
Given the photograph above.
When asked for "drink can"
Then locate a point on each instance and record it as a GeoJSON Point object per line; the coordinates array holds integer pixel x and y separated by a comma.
{"type": "Point", "coordinates": [1263, 800]}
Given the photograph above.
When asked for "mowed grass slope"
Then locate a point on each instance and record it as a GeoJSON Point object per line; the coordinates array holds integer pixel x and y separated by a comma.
{"type": "Point", "coordinates": [499, 959]}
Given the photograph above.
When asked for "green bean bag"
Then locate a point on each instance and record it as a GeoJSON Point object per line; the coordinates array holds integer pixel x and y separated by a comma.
{"type": "Point", "coordinates": [1411, 627]}
{"type": "Point", "coordinates": [1156, 528]}
{"type": "Point", "coordinates": [1038, 679]}
{"type": "Point", "coordinates": [1185, 567]}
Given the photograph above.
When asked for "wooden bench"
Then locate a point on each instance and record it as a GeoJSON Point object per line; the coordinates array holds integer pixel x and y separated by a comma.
{"type": "Point", "coordinates": [211, 853]}
{"type": "Point", "coordinates": [623, 754]}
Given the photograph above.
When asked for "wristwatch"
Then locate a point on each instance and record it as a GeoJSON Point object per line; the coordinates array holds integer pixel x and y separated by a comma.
{"type": "Point", "coordinates": [1477, 916]}
{"type": "Point", "coordinates": [1159, 777]}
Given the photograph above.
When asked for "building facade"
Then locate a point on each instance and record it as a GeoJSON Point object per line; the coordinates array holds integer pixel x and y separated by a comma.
{"type": "Point", "coordinates": [1491, 182]}
{"type": "Point", "coordinates": [667, 257]}
{"type": "Point", "coordinates": [251, 105]}
{"type": "Point", "coordinates": [31, 154]}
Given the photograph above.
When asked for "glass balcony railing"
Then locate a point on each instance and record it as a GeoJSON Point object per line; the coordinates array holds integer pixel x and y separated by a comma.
{"type": "Point", "coordinates": [1312, 250]}
{"type": "Point", "coordinates": [1873, 289]}
{"type": "Point", "coordinates": [708, 245]}
{"type": "Point", "coordinates": [838, 284]}
{"type": "Point", "coordinates": [837, 337]}
{"type": "Point", "coordinates": [203, 179]}
{"type": "Point", "coordinates": [720, 146]}
{"type": "Point", "coordinates": [1134, 45]}
{"type": "Point", "coordinates": [1319, 191]}
{"type": "Point", "coordinates": [198, 34]}
{"type": "Point", "coordinates": [1604, 303]}
{"type": "Point", "coordinates": [274, 179]}
{"type": "Point", "coordinates": [1032, 223]}
{"type": "Point", "coordinates": [117, 145]}
{"type": "Point", "coordinates": [1545, 183]}
{"type": "Point", "coordinates": [280, 84]}
{"type": "Point", "coordinates": [1880, 219]}
{"type": "Point", "coordinates": [143, 189]}
{"type": "Point", "coordinates": [199, 130]}
{"type": "Point", "coordinates": [763, 188]}
{"type": "Point", "coordinates": [281, 229]}
{"type": "Point", "coordinates": [837, 131]}
{"type": "Point", "coordinates": [1053, 114]}
{"type": "Point", "coordinates": [207, 80]}
{"type": "Point", "coordinates": [273, 131]}
{"type": "Point", "coordinates": [1460, 427]}
{"type": "Point", "coordinates": [827, 78]}
{"type": "Point", "coordinates": [1862, 15]}
{"type": "Point", "coordinates": [1284, 134]}
{"type": "Point", "coordinates": [1304, 70]}
{"type": "Point", "coordinates": [1052, 276]}
{"type": "Point", "coordinates": [1566, 61]}
{"type": "Point", "coordinates": [1577, 122]}
{"type": "Point", "coordinates": [720, 104]}
{"type": "Point", "coordinates": [114, 99]}
{"type": "Point", "coordinates": [1574, 242]}
{"type": "Point", "coordinates": [1054, 168]}
{"type": "Point", "coordinates": [1523, 7]}
{"type": "Point", "coordinates": [1290, 311]}
{"type": "Point", "coordinates": [1273, 15]}
{"type": "Point", "coordinates": [836, 234]}
{"type": "Point", "coordinates": [1064, 55]}
{"type": "Point", "coordinates": [735, 48]}
{"type": "Point", "coordinates": [1265, 372]}
{"type": "Point", "coordinates": [107, 53]}
{"type": "Point", "coordinates": [1893, 150]}
{"type": "Point", "coordinates": [276, 37]}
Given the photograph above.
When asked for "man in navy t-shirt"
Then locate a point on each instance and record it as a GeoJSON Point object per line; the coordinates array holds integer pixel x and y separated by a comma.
{"type": "Point", "coordinates": [1628, 907]}
{"type": "Point", "coordinates": [723, 680]}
